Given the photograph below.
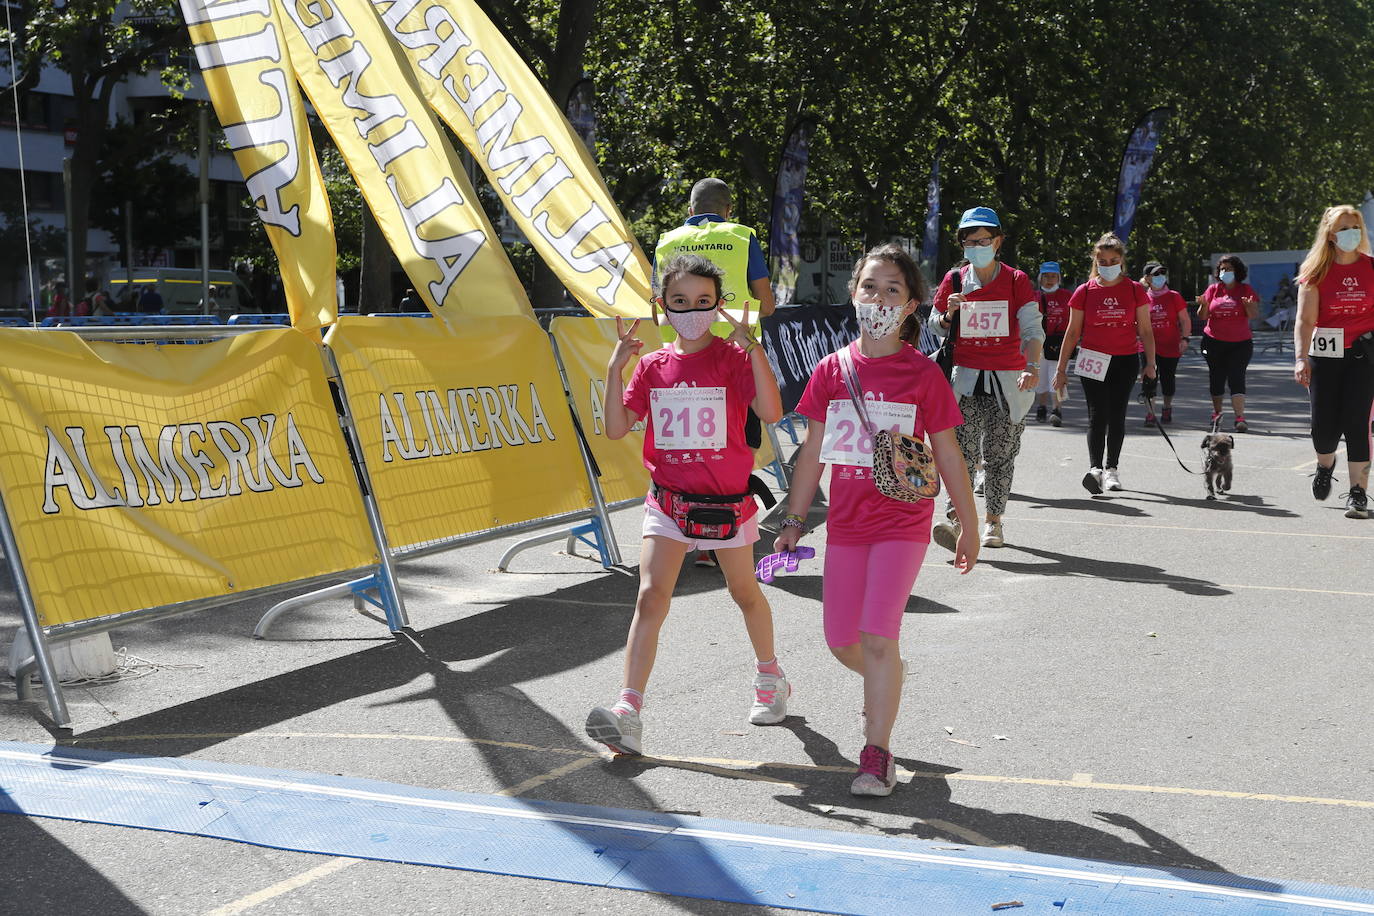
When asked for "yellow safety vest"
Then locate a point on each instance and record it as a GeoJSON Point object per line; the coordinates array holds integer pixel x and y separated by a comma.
{"type": "Point", "coordinates": [724, 244]}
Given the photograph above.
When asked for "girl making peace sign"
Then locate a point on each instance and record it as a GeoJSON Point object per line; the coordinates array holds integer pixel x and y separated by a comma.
{"type": "Point", "coordinates": [694, 393]}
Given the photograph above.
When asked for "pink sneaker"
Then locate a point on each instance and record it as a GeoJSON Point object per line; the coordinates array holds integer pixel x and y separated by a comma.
{"type": "Point", "coordinates": [877, 772]}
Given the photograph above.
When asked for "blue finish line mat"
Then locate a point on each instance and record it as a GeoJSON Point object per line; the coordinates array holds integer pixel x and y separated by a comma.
{"type": "Point", "coordinates": [635, 850]}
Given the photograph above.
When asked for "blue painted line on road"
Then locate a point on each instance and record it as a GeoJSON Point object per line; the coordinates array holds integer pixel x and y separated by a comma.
{"type": "Point", "coordinates": [668, 854]}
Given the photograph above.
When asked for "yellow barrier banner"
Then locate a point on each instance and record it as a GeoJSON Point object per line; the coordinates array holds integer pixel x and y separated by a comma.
{"type": "Point", "coordinates": [463, 428]}
{"type": "Point", "coordinates": [532, 156]}
{"type": "Point", "coordinates": [407, 171]}
{"type": "Point", "coordinates": [138, 476]}
{"type": "Point", "coordinates": [240, 49]}
{"type": "Point", "coordinates": [585, 345]}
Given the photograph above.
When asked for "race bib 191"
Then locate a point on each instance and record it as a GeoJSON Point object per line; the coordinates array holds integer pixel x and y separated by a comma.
{"type": "Point", "coordinates": [986, 319]}
{"type": "Point", "coordinates": [1328, 342]}
{"type": "Point", "coordinates": [1092, 364]}
{"type": "Point", "coordinates": [846, 441]}
{"type": "Point", "coordinates": [688, 418]}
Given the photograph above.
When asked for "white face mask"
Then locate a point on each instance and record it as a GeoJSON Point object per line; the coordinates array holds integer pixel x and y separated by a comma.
{"type": "Point", "coordinates": [1050, 289]}
{"type": "Point", "coordinates": [1109, 273]}
{"type": "Point", "coordinates": [878, 321]}
{"type": "Point", "coordinates": [691, 325]}
{"type": "Point", "coordinates": [1348, 239]}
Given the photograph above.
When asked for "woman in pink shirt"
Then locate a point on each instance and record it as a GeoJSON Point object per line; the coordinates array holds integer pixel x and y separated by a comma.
{"type": "Point", "coordinates": [1172, 327]}
{"type": "Point", "coordinates": [1228, 306]}
{"type": "Point", "coordinates": [1106, 315]}
{"type": "Point", "coordinates": [694, 395]}
{"type": "Point", "coordinates": [1334, 340]}
{"type": "Point", "coordinates": [875, 544]}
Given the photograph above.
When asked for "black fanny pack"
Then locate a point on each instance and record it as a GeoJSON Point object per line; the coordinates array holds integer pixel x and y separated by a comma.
{"type": "Point", "coordinates": [1053, 343]}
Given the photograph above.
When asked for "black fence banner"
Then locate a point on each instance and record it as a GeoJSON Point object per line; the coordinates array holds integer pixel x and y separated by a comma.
{"type": "Point", "coordinates": [798, 338]}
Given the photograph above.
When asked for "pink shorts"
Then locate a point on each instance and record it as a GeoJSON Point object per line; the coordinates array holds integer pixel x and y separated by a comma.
{"type": "Point", "coordinates": [865, 589]}
{"type": "Point", "coordinates": [658, 524]}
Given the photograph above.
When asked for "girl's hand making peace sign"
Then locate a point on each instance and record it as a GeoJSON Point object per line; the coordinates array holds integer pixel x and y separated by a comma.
{"type": "Point", "coordinates": [741, 333]}
{"type": "Point", "coordinates": [628, 345]}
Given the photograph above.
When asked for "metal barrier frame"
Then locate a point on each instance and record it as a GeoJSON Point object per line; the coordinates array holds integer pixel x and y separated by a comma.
{"type": "Point", "coordinates": [594, 528]}
{"type": "Point", "coordinates": [40, 637]}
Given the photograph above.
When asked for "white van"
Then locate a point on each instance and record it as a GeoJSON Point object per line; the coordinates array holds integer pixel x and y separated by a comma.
{"type": "Point", "coordinates": [180, 289]}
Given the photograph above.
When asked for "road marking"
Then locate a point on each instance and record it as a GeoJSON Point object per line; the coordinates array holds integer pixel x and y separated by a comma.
{"type": "Point", "coordinates": [535, 782]}
{"type": "Point", "coordinates": [1082, 778]}
{"type": "Point", "coordinates": [284, 887]}
{"type": "Point", "coordinates": [1282, 534]}
{"type": "Point", "coordinates": [340, 863]}
{"type": "Point", "coordinates": [1304, 466]}
{"type": "Point", "coordinates": [733, 766]}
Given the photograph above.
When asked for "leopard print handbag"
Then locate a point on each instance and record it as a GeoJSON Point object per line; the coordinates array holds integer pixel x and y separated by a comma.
{"type": "Point", "coordinates": [903, 466]}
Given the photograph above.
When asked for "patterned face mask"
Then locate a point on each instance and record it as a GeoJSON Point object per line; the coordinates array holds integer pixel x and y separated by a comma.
{"type": "Point", "coordinates": [878, 321]}
{"type": "Point", "coordinates": [691, 325]}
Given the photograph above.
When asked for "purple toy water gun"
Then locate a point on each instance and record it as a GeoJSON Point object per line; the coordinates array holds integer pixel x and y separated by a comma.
{"type": "Point", "coordinates": [777, 564]}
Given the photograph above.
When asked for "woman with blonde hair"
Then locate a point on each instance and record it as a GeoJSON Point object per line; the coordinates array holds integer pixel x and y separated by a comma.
{"type": "Point", "coordinates": [1106, 315]}
{"type": "Point", "coordinates": [1334, 340]}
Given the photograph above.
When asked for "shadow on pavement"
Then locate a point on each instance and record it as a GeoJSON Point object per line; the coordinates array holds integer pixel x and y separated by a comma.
{"type": "Point", "coordinates": [927, 800]}
{"type": "Point", "coordinates": [1063, 564]}
{"type": "Point", "coordinates": [1106, 504]}
{"type": "Point", "coordinates": [41, 875]}
{"type": "Point", "coordinates": [1231, 502]}
{"type": "Point", "coordinates": [521, 639]}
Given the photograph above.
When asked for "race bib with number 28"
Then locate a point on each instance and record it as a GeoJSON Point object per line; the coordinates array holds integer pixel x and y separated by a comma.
{"type": "Point", "coordinates": [846, 441]}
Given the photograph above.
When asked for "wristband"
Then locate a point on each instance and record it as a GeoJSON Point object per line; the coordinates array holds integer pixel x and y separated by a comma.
{"type": "Point", "coordinates": [1030, 365]}
{"type": "Point", "coordinates": [793, 521]}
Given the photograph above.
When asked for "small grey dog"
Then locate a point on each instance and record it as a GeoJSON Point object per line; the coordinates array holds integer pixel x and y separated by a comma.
{"type": "Point", "coordinates": [1216, 463]}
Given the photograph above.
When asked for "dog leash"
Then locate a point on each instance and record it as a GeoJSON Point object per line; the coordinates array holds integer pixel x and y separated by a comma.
{"type": "Point", "coordinates": [1150, 406]}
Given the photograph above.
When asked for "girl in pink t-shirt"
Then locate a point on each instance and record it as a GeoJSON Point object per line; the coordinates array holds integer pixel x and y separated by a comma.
{"type": "Point", "coordinates": [694, 395]}
{"type": "Point", "coordinates": [874, 544]}
{"type": "Point", "coordinates": [1228, 306]}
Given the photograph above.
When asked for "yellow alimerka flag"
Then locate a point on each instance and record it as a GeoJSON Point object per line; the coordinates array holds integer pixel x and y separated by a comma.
{"type": "Point", "coordinates": [532, 157]}
{"type": "Point", "coordinates": [138, 475]}
{"type": "Point", "coordinates": [240, 48]}
{"type": "Point", "coordinates": [406, 169]}
{"type": "Point", "coordinates": [464, 428]}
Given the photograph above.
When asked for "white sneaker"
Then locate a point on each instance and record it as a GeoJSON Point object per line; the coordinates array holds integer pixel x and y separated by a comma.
{"type": "Point", "coordinates": [946, 534]}
{"type": "Point", "coordinates": [1111, 479]}
{"type": "Point", "coordinates": [618, 727]}
{"type": "Point", "coordinates": [980, 477]}
{"type": "Point", "coordinates": [1092, 481]}
{"type": "Point", "coordinates": [770, 698]}
{"type": "Point", "coordinates": [992, 535]}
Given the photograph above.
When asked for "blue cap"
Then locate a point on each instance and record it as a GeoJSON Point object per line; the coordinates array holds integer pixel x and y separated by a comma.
{"type": "Point", "coordinates": [980, 216]}
{"type": "Point", "coordinates": [1050, 267]}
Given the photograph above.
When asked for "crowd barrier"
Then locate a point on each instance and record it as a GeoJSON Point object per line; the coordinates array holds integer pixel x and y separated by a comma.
{"type": "Point", "coordinates": [141, 481]}
{"type": "Point", "coordinates": [123, 319]}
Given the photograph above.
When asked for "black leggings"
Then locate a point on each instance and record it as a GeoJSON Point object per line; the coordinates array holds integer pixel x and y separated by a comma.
{"type": "Point", "coordinates": [1227, 361]}
{"type": "Point", "coordinates": [1342, 391]}
{"type": "Point", "coordinates": [1107, 403]}
{"type": "Point", "coordinates": [1167, 370]}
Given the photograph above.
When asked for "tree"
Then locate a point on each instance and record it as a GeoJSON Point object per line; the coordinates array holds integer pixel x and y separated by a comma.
{"type": "Point", "coordinates": [99, 44]}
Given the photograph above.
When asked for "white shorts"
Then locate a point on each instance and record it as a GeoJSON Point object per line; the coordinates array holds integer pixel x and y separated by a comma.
{"type": "Point", "coordinates": [1044, 384]}
{"type": "Point", "coordinates": [658, 524]}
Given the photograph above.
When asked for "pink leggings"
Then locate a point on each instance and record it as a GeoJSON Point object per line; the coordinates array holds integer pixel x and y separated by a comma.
{"type": "Point", "coordinates": [866, 587]}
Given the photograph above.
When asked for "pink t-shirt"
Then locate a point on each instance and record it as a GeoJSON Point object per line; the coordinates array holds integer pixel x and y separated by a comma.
{"type": "Point", "coordinates": [694, 418]}
{"type": "Point", "coordinates": [1164, 309]}
{"type": "Point", "coordinates": [996, 343]}
{"type": "Point", "coordinates": [859, 514]}
{"type": "Point", "coordinates": [1108, 315]}
{"type": "Point", "coordinates": [1346, 298]}
{"type": "Point", "coordinates": [1055, 308]}
{"type": "Point", "coordinates": [1226, 318]}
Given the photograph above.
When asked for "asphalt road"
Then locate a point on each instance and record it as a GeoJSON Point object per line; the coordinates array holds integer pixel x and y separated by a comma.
{"type": "Point", "coordinates": [1146, 677]}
